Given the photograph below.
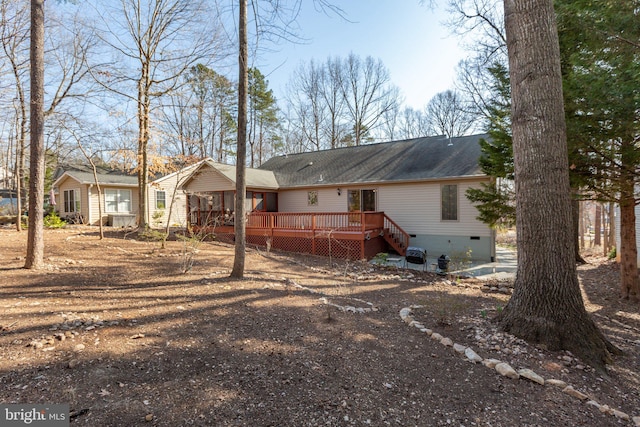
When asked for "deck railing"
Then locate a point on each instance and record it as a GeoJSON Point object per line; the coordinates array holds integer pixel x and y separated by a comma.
{"type": "Point", "coordinates": [351, 235]}
{"type": "Point", "coordinates": [309, 221]}
{"type": "Point", "coordinates": [339, 221]}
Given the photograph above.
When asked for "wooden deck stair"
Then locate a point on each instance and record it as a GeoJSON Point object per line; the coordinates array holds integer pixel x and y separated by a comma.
{"type": "Point", "coordinates": [395, 236]}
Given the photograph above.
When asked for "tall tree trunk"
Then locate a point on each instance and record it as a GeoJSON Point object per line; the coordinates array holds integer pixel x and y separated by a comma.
{"type": "Point", "coordinates": [581, 226]}
{"type": "Point", "coordinates": [241, 185]}
{"type": "Point", "coordinates": [597, 241]}
{"type": "Point", "coordinates": [576, 215]}
{"type": "Point", "coordinates": [612, 227]}
{"type": "Point", "coordinates": [628, 247]}
{"type": "Point", "coordinates": [546, 306]}
{"type": "Point", "coordinates": [143, 147]}
{"type": "Point", "coordinates": [605, 231]}
{"type": "Point", "coordinates": [35, 238]}
{"type": "Point", "coordinates": [19, 189]}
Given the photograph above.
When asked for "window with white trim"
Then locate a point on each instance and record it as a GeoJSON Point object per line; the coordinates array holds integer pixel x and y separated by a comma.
{"type": "Point", "coordinates": [71, 199]}
{"type": "Point", "coordinates": [449, 202]}
{"type": "Point", "coordinates": [161, 199]}
{"type": "Point", "coordinates": [117, 200]}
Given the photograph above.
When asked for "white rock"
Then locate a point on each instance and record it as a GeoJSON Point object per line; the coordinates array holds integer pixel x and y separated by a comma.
{"type": "Point", "coordinates": [404, 313]}
{"type": "Point", "coordinates": [506, 370]}
{"type": "Point", "coordinates": [594, 403]}
{"type": "Point", "coordinates": [490, 363]}
{"type": "Point", "coordinates": [446, 342]}
{"type": "Point", "coordinates": [575, 393]}
{"type": "Point", "coordinates": [428, 331]}
{"type": "Point", "coordinates": [530, 375]}
{"type": "Point", "coordinates": [436, 336]}
{"type": "Point", "coordinates": [621, 415]}
{"type": "Point", "coordinates": [605, 409]}
{"type": "Point", "coordinates": [636, 421]}
{"type": "Point", "coordinates": [459, 348]}
{"type": "Point", "coordinates": [557, 383]}
{"type": "Point", "coordinates": [472, 355]}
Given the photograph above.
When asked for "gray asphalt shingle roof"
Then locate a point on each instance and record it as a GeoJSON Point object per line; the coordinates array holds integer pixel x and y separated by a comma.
{"type": "Point", "coordinates": [84, 175]}
{"type": "Point", "coordinates": [397, 161]}
{"type": "Point", "coordinates": [254, 177]}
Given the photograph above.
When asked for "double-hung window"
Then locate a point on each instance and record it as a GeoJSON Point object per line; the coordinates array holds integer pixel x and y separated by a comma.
{"type": "Point", "coordinates": [71, 200]}
{"type": "Point", "coordinates": [449, 202]}
{"type": "Point", "coordinates": [117, 200]}
{"type": "Point", "coordinates": [161, 199]}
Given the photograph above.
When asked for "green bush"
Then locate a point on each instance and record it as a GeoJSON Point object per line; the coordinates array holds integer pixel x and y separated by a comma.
{"type": "Point", "coordinates": [52, 220]}
{"type": "Point", "coordinates": [612, 253]}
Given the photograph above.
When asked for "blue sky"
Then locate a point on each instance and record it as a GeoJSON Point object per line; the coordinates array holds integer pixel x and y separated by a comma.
{"type": "Point", "coordinates": [409, 38]}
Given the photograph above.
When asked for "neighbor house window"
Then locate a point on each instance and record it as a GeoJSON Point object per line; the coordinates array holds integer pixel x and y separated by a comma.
{"type": "Point", "coordinates": [71, 200]}
{"type": "Point", "coordinates": [449, 202]}
{"type": "Point", "coordinates": [161, 199]}
{"type": "Point", "coordinates": [117, 201]}
{"type": "Point", "coordinates": [312, 198]}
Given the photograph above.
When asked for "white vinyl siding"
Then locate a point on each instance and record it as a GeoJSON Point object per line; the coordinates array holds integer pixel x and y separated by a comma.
{"type": "Point", "coordinates": [117, 200]}
{"type": "Point", "coordinates": [80, 196]}
{"type": "Point", "coordinates": [297, 200]}
{"type": "Point", "coordinates": [95, 199]}
{"type": "Point", "coordinates": [208, 179]}
{"type": "Point", "coordinates": [413, 206]}
{"type": "Point", "coordinates": [416, 208]}
{"type": "Point", "coordinates": [175, 201]}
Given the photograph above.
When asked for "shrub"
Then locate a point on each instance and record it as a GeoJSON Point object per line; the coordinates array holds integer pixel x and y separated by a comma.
{"type": "Point", "coordinates": [52, 220]}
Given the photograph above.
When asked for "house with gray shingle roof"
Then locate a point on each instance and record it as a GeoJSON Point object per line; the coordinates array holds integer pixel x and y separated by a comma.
{"type": "Point", "coordinates": [419, 184]}
{"type": "Point", "coordinates": [77, 196]}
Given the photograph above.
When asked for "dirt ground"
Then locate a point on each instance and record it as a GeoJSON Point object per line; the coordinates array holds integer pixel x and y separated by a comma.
{"type": "Point", "coordinates": [118, 331]}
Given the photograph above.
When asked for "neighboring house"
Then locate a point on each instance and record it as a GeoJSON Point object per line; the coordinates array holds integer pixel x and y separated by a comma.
{"type": "Point", "coordinates": [418, 184]}
{"type": "Point", "coordinates": [77, 196]}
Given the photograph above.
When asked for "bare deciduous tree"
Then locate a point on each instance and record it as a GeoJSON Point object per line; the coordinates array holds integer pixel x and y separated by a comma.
{"type": "Point", "coordinates": [447, 114]}
{"type": "Point", "coordinates": [305, 93]}
{"type": "Point", "coordinates": [368, 93]}
{"type": "Point", "coordinates": [14, 17]}
{"type": "Point", "coordinates": [155, 42]}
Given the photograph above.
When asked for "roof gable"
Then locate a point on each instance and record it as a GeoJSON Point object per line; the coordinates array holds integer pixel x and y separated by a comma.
{"type": "Point", "coordinates": [84, 175]}
{"type": "Point", "coordinates": [255, 178]}
{"type": "Point", "coordinates": [417, 159]}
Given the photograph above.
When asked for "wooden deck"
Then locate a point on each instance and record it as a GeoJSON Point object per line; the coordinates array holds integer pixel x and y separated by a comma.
{"type": "Point", "coordinates": [349, 235]}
